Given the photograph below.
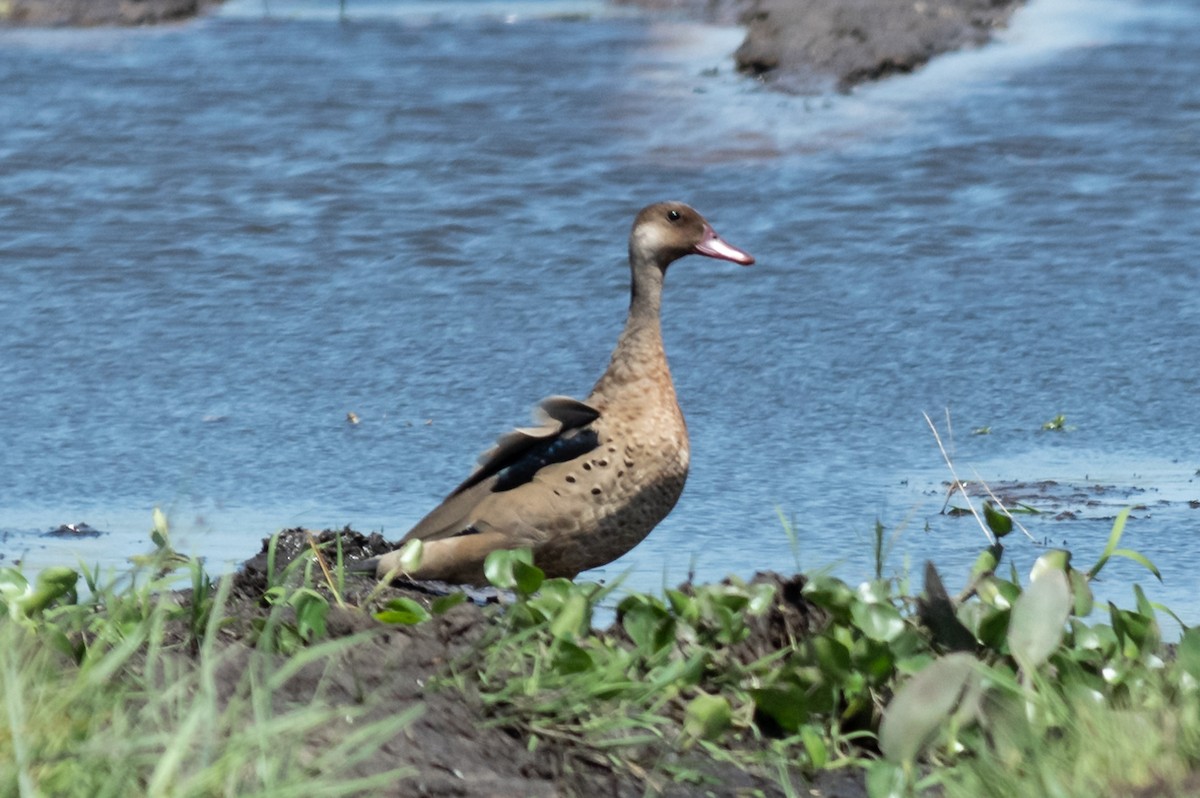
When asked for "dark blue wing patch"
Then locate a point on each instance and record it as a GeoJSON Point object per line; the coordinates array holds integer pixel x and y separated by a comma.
{"type": "Point", "coordinates": [560, 449]}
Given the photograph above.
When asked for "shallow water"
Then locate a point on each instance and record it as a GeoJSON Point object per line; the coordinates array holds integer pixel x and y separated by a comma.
{"type": "Point", "coordinates": [218, 239]}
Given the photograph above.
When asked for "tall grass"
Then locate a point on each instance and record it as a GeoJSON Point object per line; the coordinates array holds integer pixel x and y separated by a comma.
{"type": "Point", "coordinates": [130, 716]}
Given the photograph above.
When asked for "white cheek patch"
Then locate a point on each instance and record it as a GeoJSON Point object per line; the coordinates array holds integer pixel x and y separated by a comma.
{"type": "Point", "coordinates": [649, 238]}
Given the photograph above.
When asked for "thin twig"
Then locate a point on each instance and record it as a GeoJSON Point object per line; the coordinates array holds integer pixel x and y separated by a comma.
{"type": "Point", "coordinates": [1000, 504]}
{"type": "Point", "coordinates": [312, 542]}
{"type": "Point", "coordinates": [958, 483]}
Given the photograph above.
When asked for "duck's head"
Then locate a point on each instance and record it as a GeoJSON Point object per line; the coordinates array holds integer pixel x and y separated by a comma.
{"type": "Point", "coordinates": [667, 231]}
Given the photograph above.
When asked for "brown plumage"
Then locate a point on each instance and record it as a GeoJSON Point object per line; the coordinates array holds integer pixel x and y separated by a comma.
{"type": "Point", "coordinates": [591, 481]}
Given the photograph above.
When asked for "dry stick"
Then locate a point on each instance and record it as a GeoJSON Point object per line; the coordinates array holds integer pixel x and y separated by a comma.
{"type": "Point", "coordinates": [1000, 504]}
{"type": "Point", "coordinates": [958, 484]}
{"type": "Point", "coordinates": [325, 568]}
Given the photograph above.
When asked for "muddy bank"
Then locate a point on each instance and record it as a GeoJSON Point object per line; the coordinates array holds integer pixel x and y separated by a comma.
{"type": "Point", "coordinates": [813, 46]}
{"type": "Point", "coordinates": [458, 746]}
{"type": "Point", "coordinates": [86, 13]}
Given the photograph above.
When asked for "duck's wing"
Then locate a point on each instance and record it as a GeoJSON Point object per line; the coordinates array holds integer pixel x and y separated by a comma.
{"type": "Point", "coordinates": [561, 435]}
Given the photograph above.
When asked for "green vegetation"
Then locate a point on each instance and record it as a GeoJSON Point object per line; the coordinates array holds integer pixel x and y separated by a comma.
{"type": "Point", "coordinates": [118, 694]}
{"type": "Point", "coordinates": [1012, 687]}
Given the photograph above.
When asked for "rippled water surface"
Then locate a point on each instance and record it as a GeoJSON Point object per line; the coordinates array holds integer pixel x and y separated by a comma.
{"type": "Point", "coordinates": [218, 239]}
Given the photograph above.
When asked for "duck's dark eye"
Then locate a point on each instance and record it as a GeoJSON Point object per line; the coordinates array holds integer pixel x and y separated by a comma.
{"type": "Point", "coordinates": [674, 216]}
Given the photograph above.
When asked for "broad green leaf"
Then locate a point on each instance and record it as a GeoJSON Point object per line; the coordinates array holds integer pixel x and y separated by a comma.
{"type": "Point", "coordinates": [573, 619]}
{"type": "Point", "coordinates": [311, 609]}
{"type": "Point", "coordinates": [877, 591]}
{"type": "Point", "coordinates": [570, 658]}
{"type": "Point", "coordinates": [403, 611]}
{"type": "Point", "coordinates": [829, 592]}
{"type": "Point", "coordinates": [500, 566]}
{"type": "Point", "coordinates": [527, 578]}
{"type": "Point", "coordinates": [877, 621]}
{"type": "Point", "coordinates": [990, 592]}
{"type": "Point", "coordinates": [1038, 619]}
{"type": "Point", "coordinates": [886, 780]}
{"type": "Point", "coordinates": [1114, 539]}
{"type": "Point", "coordinates": [1189, 652]}
{"type": "Point", "coordinates": [707, 717]}
{"type": "Point", "coordinates": [832, 655]}
{"type": "Point", "coordinates": [785, 704]}
{"type": "Point", "coordinates": [987, 561]}
{"type": "Point", "coordinates": [1081, 590]}
{"type": "Point", "coordinates": [922, 705]}
{"type": "Point", "coordinates": [999, 521]}
{"type": "Point", "coordinates": [1054, 560]}
{"type": "Point", "coordinates": [649, 626]}
{"type": "Point", "coordinates": [1137, 634]}
{"type": "Point", "coordinates": [814, 745]}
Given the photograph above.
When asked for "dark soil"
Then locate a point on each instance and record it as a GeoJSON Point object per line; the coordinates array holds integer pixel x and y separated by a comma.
{"type": "Point", "coordinates": [813, 46]}
{"type": "Point", "coordinates": [454, 746]}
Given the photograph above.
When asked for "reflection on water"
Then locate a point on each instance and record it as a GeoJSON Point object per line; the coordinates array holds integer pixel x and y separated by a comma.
{"type": "Point", "coordinates": [217, 239]}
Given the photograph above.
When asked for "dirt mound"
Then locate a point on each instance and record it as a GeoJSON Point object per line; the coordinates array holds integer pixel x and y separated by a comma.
{"type": "Point", "coordinates": [813, 46]}
{"type": "Point", "coordinates": [100, 12]}
{"type": "Point", "coordinates": [453, 748]}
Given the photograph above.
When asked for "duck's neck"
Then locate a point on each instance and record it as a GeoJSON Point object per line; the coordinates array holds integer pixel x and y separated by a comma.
{"type": "Point", "coordinates": [639, 354]}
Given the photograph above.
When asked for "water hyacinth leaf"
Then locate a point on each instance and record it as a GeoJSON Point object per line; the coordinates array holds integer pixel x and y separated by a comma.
{"type": "Point", "coordinates": [527, 577]}
{"type": "Point", "coordinates": [786, 704]}
{"type": "Point", "coordinates": [877, 591]}
{"type": "Point", "coordinates": [990, 593]}
{"type": "Point", "coordinates": [922, 705]}
{"type": "Point", "coordinates": [877, 621]}
{"type": "Point", "coordinates": [311, 610]}
{"type": "Point", "coordinates": [683, 605]}
{"type": "Point", "coordinates": [503, 568]}
{"type": "Point", "coordinates": [1114, 540]}
{"type": "Point", "coordinates": [832, 656]}
{"type": "Point", "coordinates": [649, 626]}
{"type": "Point", "coordinates": [1081, 590]}
{"type": "Point", "coordinates": [403, 611]}
{"type": "Point", "coordinates": [1054, 560]}
{"type": "Point", "coordinates": [707, 717]}
{"type": "Point", "coordinates": [998, 521]}
{"type": "Point", "coordinates": [1038, 619]}
{"type": "Point", "coordinates": [570, 658]}
{"type": "Point", "coordinates": [829, 592]}
{"type": "Point", "coordinates": [987, 561]}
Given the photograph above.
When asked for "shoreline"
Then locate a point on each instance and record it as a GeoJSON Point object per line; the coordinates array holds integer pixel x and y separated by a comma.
{"type": "Point", "coordinates": [805, 47]}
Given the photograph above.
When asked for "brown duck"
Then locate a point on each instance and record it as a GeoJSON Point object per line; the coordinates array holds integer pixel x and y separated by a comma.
{"type": "Point", "coordinates": [591, 481]}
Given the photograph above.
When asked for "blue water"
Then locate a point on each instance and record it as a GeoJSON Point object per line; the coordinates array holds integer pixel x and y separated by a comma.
{"type": "Point", "coordinates": [218, 239]}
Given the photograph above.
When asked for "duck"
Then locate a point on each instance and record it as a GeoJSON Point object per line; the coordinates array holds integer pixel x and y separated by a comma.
{"type": "Point", "coordinates": [592, 478]}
